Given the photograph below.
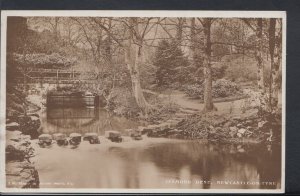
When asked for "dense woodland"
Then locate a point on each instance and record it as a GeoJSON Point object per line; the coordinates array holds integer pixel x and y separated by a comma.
{"type": "Point", "coordinates": [167, 50]}
{"type": "Point", "coordinates": [136, 58]}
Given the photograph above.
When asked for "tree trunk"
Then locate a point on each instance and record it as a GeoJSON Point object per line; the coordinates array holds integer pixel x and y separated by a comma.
{"type": "Point", "coordinates": [272, 27]}
{"type": "Point", "coordinates": [260, 65]}
{"type": "Point", "coordinates": [56, 33]}
{"type": "Point", "coordinates": [276, 64]}
{"type": "Point", "coordinates": [208, 104]}
{"type": "Point", "coordinates": [192, 42]}
{"type": "Point", "coordinates": [259, 56]}
{"type": "Point", "coordinates": [179, 31]}
{"type": "Point", "coordinates": [133, 59]}
{"type": "Point", "coordinates": [109, 43]}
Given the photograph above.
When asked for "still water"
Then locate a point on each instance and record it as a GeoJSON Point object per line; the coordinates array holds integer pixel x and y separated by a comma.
{"type": "Point", "coordinates": [149, 163]}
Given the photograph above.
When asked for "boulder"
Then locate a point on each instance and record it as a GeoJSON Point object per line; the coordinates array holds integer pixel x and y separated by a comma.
{"type": "Point", "coordinates": [140, 128]}
{"type": "Point", "coordinates": [20, 171]}
{"type": "Point", "coordinates": [181, 115]}
{"type": "Point", "coordinates": [179, 119]}
{"type": "Point", "coordinates": [173, 123]}
{"type": "Point", "coordinates": [18, 150]}
{"type": "Point", "coordinates": [13, 153]}
{"type": "Point", "coordinates": [148, 129]}
{"type": "Point", "coordinates": [14, 135]}
{"type": "Point", "coordinates": [239, 135]}
{"type": "Point", "coordinates": [173, 131]}
{"type": "Point", "coordinates": [218, 129]}
{"type": "Point", "coordinates": [242, 131]}
{"type": "Point", "coordinates": [153, 127]}
{"type": "Point", "coordinates": [236, 118]}
{"type": "Point", "coordinates": [164, 126]}
{"type": "Point", "coordinates": [29, 125]}
{"type": "Point", "coordinates": [248, 122]}
{"type": "Point", "coordinates": [152, 133]}
{"type": "Point", "coordinates": [128, 132]}
{"type": "Point", "coordinates": [261, 124]}
{"type": "Point", "coordinates": [239, 125]}
{"type": "Point", "coordinates": [21, 175]}
{"type": "Point", "coordinates": [18, 146]}
{"type": "Point", "coordinates": [233, 129]}
{"type": "Point", "coordinates": [227, 124]}
{"type": "Point", "coordinates": [12, 126]}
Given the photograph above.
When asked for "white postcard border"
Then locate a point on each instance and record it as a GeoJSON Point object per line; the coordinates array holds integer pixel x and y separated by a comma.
{"type": "Point", "coordinates": [134, 13]}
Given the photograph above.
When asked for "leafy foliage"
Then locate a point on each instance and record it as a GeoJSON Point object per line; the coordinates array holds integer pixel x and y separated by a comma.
{"type": "Point", "coordinates": [122, 103]}
{"type": "Point", "coordinates": [220, 89]}
{"type": "Point", "coordinates": [41, 60]}
{"type": "Point", "coordinates": [241, 68]}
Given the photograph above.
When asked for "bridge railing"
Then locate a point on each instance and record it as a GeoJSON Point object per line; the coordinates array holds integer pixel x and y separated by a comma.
{"type": "Point", "coordinates": [39, 75]}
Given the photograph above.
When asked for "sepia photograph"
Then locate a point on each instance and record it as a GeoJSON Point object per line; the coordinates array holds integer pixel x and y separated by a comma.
{"type": "Point", "coordinates": [143, 101]}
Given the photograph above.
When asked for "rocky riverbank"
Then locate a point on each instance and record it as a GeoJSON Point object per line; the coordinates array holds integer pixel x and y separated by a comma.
{"type": "Point", "coordinates": [20, 170]}
{"type": "Point", "coordinates": [248, 128]}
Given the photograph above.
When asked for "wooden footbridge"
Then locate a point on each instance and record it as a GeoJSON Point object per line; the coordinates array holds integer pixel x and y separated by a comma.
{"type": "Point", "coordinates": [56, 76]}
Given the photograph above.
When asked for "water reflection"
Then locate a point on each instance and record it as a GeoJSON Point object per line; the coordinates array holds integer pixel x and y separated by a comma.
{"type": "Point", "coordinates": [82, 120]}
{"type": "Point", "coordinates": [152, 162]}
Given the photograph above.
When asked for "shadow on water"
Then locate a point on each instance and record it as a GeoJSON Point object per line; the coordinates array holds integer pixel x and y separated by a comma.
{"type": "Point", "coordinates": [193, 161]}
{"type": "Point", "coordinates": [165, 164]}
{"type": "Point", "coordinates": [83, 120]}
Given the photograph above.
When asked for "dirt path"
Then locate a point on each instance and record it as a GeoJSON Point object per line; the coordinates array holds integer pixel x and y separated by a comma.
{"type": "Point", "coordinates": [193, 105]}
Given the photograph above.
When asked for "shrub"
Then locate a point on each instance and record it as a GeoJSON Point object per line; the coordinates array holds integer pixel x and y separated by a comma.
{"type": "Point", "coordinates": [220, 89]}
{"type": "Point", "coordinates": [218, 71]}
{"type": "Point", "coordinates": [41, 60]}
{"type": "Point", "coordinates": [240, 68]}
{"type": "Point", "coordinates": [122, 103]}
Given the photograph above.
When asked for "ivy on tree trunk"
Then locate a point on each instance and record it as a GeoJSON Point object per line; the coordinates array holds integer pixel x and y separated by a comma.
{"type": "Point", "coordinates": [208, 103]}
{"type": "Point", "coordinates": [133, 56]}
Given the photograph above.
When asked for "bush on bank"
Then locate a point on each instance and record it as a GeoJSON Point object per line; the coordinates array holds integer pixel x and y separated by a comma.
{"type": "Point", "coordinates": [220, 89]}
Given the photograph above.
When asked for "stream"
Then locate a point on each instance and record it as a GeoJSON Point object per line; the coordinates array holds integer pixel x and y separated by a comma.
{"type": "Point", "coordinates": [147, 163]}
